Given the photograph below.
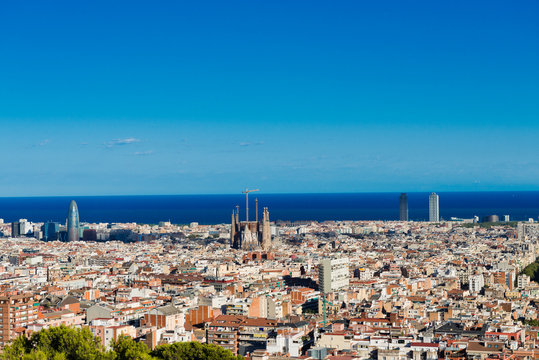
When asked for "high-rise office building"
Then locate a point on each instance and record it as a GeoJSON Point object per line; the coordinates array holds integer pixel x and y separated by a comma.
{"type": "Point", "coordinates": [333, 274]}
{"type": "Point", "coordinates": [73, 222]}
{"type": "Point", "coordinates": [491, 218]}
{"type": "Point", "coordinates": [15, 229]}
{"type": "Point", "coordinates": [50, 231]}
{"type": "Point", "coordinates": [403, 207]}
{"type": "Point", "coordinates": [89, 235]}
{"type": "Point", "coordinates": [21, 228]}
{"type": "Point", "coordinates": [26, 227]}
{"type": "Point", "coordinates": [434, 208]}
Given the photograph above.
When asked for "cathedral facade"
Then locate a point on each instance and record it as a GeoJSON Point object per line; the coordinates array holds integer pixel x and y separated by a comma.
{"type": "Point", "coordinates": [250, 235]}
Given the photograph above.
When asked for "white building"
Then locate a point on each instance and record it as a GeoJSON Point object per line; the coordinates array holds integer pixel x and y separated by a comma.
{"type": "Point", "coordinates": [288, 343]}
{"type": "Point", "coordinates": [523, 281]}
{"type": "Point", "coordinates": [477, 282]}
{"type": "Point", "coordinates": [333, 274]}
{"type": "Point", "coordinates": [365, 274]}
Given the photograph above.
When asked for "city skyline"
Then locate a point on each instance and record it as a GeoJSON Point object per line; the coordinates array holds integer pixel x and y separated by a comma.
{"type": "Point", "coordinates": [215, 209]}
{"type": "Point", "coordinates": [262, 180]}
{"type": "Point", "coordinates": [292, 98]}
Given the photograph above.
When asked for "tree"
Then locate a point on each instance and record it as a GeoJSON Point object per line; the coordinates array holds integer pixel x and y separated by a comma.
{"type": "Point", "coordinates": [127, 349]}
{"type": "Point", "coordinates": [63, 343]}
{"type": "Point", "coordinates": [532, 270]}
{"type": "Point", "coordinates": [58, 343]}
{"type": "Point", "coordinates": [193, 351]}
{"type": "Point", "coordinates": [17, 349]}
{"type": "Point", "coordinates": [531, 322]}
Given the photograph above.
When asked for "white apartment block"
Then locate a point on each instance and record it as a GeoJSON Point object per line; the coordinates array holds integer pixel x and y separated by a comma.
{"type": "Point", "coordinates": [333, 274]}
{"type": "Point", "coordinates": [477, 282]}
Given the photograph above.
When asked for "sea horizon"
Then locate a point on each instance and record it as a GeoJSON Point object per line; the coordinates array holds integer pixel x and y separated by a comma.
{"type": "Point", "coordinates": [217, 208]}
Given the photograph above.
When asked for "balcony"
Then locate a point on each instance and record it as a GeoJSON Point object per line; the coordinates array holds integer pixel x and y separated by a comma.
{"type": "Point", "coordinates": [253, 337]}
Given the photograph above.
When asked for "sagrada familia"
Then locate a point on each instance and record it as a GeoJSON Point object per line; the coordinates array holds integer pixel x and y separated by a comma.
{"type": "Point", "coordinates": [250, 235]}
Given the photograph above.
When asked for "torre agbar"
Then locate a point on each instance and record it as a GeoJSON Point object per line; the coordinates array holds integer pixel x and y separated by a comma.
{"type": "Point", "coordinates": [73, 222]}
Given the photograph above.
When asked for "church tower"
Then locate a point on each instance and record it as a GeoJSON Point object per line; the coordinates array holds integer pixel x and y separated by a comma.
{"type": "Point", "coordinates": [266, 230]}
{"type": "Point", "coordinates": [233, 229]}
{"type": "Point", "coordinates": [250, 235]}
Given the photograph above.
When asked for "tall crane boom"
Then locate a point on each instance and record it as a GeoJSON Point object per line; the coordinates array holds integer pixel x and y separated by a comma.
{"type": "Point", "coordinates": [246, 192]}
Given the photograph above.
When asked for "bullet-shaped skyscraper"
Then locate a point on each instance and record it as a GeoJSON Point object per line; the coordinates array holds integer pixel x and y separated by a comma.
{"type": "Point", "coordinates": [403, 207]}
{"type": "Point", "coordinates": [434, 208]}
{"type": "Point", "coordinates": [73, 222]}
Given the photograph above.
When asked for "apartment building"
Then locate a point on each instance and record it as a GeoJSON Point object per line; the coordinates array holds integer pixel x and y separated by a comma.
{"type": "Point", "coordinates": [17, 310]}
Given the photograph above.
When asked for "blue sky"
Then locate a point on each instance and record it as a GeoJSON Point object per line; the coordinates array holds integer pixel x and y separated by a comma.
{"type": "Point", "coordinates": [137, 97]}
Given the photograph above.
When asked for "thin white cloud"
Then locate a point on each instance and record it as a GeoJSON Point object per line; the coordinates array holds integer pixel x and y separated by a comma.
{"type": "Point", "coordinates": [143, 153]}
{"type": "Point", "coordinates": [121, 142]}
{"type": "Point", "coordinates": [44, 142]}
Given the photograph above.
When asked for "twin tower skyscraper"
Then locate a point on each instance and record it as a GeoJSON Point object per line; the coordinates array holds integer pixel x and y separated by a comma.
{"type": "Point", "coordinates": [434, 207]}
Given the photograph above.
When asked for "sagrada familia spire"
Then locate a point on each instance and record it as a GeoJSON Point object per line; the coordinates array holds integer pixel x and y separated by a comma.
{"type": "Point", "coordinates": [250, 235]}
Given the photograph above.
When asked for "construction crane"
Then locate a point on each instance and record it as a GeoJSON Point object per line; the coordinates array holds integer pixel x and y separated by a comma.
{"type": "Point", "coordinates": [246, 192]}
{"type": "Point", "coordinates": [324, 308]}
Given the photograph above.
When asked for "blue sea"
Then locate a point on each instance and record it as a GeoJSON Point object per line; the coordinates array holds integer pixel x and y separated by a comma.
{"type": "Point", "coordinates": [212, 209]}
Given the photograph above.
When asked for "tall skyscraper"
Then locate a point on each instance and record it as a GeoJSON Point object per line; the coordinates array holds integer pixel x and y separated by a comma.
{"type": "Point", "coordinates": [434, 208]}
{"type": "Point", "coordinates": [50, 231]}
{"type": "Point", "coordinates": [403, 207]}
{"type": "Point", "coordinates": [73, 222]}
{"type": "Point", "coordinates": [15, 229]}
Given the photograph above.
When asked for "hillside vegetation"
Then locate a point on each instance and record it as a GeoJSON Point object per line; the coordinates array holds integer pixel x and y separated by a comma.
{"type": "Point", "coordinates": [63, 343]}
{"type": "Point", "coordinates": [532, 270]}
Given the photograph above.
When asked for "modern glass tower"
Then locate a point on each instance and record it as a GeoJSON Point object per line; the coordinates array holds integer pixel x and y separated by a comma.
{"type": "Point", "coordinates": [434, 208]}
{"type": "Point", "coordinates": [73, 222]}
{"type": "Point", "coordinates": [403, 207]}
{"type": "Point", "coordinates": [50, 231]}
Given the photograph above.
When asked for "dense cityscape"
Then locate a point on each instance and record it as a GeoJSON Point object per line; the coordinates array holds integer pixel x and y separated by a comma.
{"type": "Point", "coordinates": [390, 149]}
{"type": "Point", "coordinates": [266, 290]}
